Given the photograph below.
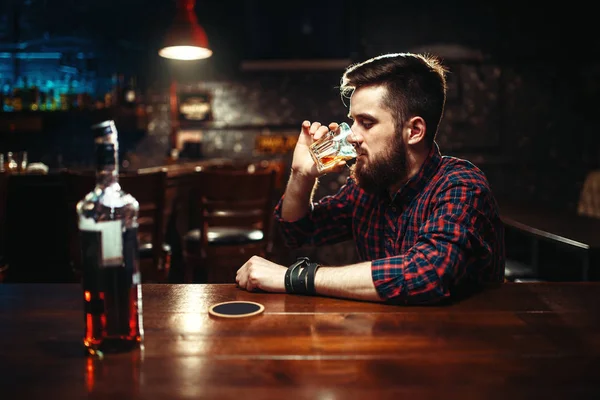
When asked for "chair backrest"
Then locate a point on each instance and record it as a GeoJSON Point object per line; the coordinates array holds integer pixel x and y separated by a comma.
{"type": "Point", "coordinates": [77, 185]}
{"type": "Point", "coordinates": [35, 230]}
{"type": "Point", "coordinates": [149, 189]}
{"type": "Point", "coordinates": [3, 197]}
{"type": "Point", "coordinates": [233, 198]}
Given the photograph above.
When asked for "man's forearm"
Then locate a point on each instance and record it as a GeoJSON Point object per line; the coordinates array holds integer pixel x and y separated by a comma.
{"type": "Point", "coordinates": [298, 195]}
{"type": "Point", "coordinates": [350, 282]}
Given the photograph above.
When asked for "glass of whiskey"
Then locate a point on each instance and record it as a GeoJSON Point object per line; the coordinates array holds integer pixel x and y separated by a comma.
{"type": "Point", "coordinates": [332, 148]}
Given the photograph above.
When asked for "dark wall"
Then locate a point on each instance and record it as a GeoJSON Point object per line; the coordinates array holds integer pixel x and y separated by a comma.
{"type": "Point", "coordinates": [529, 126]}
{"type": "Point", "coordinates": [523, 83]}
{"type": "Point", "coordinates": [522, 93]}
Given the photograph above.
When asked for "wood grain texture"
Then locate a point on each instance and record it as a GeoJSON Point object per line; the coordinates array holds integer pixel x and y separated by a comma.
{"type": "Point", "coordinates": [517, 341]}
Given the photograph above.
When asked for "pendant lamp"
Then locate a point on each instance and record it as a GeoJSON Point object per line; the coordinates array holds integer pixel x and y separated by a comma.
{"type": "Point", "coordinates": [185, 39]}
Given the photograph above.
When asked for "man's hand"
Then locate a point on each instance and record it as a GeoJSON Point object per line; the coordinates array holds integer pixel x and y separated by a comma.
{"type": "Point", "coordinates": [302, 161]}
{"type": "Point", "coordinates": [258, 273]}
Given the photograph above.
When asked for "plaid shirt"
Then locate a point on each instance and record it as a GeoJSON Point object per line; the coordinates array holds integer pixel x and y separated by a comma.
{"type": "Point", "coordinates": [441, 232]}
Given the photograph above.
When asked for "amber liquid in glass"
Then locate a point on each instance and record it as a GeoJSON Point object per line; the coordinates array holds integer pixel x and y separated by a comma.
{"type": "Point", "coordinates": [332, 148]}
{"type": "Point", "coordinates": [328, 162]}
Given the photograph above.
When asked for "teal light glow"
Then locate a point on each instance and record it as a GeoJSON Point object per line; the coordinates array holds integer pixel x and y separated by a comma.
{"type": "Point", "coordinates": [53, 55]}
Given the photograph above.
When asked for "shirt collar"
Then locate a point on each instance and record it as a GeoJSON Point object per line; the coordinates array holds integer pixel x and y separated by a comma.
{"type": "Point", "coordinates": [416, 184]}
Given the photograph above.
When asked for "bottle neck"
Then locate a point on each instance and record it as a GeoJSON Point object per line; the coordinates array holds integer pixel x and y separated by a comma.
{"type": "Point", "coordinates": [106, 178]}
{"type": "Point", "coordinates": [107, 164]}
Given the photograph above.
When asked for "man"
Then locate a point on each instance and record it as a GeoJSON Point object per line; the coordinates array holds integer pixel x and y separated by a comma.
{"type": "Point", "coordinates": [427, 227]}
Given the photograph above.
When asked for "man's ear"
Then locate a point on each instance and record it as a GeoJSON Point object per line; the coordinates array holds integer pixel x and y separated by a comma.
{"type": "Point", "coordinates": [416, 130]}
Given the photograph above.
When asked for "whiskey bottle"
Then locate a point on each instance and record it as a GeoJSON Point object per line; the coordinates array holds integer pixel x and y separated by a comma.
{"type": "Point", "coordinates": [108, 225]}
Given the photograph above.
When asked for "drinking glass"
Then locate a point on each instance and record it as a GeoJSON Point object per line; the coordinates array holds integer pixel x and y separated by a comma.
{"type": "Point", "coordinates": [332, 148]}
{"type": "Point", "coordinates": [20, 158]}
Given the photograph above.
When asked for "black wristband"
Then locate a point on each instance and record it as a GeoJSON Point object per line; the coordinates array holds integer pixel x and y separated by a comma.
{"type": "Point", "coordinates": [295, 277]}
{"type": "Point", "coordinates": [288, 282]}
{"type": "Point", "coordinates": [302, 279]}
{"type": "Point", "coordinates": [310, 278]}
{"type": "Point", "coordinates": [291, 276]}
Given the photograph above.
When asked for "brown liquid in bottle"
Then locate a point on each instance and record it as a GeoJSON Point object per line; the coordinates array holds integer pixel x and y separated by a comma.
{"type": "Point", "coordinates": [112, 316]}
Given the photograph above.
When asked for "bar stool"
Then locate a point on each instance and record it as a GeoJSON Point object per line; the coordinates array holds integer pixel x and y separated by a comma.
{"type": "Point", "coordinates": [231, 220]}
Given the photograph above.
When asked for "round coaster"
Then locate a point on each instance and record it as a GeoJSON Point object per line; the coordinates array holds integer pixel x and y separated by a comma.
{"type": "Point", "coordinates": [236, 309]}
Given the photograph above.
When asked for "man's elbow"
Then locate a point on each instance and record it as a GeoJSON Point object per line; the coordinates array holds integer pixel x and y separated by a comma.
{"type": "Point", "coordinates": [430, 293]}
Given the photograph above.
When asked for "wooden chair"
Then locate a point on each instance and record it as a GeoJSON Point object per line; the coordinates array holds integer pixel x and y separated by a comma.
{"type": "Point", "coordinates": [149, 189]}
{"type": "Point", "coordinates": [232, 220]}
{"type": "Point", "coordinates": [35, 230]}
{"type": "Point", "coordinates": [3, 191]}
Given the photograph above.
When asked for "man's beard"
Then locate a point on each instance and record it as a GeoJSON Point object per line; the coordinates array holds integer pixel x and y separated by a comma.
{"type": "Point", "coordinates": [383, 171]}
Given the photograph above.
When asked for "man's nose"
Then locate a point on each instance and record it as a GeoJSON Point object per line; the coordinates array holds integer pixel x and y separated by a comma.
{"type": "Point", "coordinates": [354, 138]}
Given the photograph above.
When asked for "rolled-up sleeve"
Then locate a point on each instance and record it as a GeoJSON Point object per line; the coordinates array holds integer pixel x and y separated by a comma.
{"type": "Point", "coordinates": [450, 241]}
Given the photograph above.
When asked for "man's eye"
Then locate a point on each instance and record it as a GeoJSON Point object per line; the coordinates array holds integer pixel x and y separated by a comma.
{"type": "Point", "coordinates": [367, 124]}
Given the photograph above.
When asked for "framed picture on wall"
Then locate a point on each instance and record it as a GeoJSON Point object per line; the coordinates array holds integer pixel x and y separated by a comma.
{"type": "Point", "coordinates": [194, 107]}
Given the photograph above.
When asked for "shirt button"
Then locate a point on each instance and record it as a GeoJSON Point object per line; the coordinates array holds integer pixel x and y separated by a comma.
{"type": "Point", "coordinates": [394, 209]}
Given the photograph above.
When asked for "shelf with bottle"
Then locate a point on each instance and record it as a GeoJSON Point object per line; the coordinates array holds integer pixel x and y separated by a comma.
{"type": "Point", "coordinates": [67, 93]}
{"type": "Point", "coordinates": [13, 162]}
{"type": "Point", "coordinates": [28, 105]}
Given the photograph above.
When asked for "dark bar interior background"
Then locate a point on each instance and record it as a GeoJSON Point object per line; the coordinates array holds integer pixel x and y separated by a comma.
{"type": "Point", "coordinates": [522, 101]}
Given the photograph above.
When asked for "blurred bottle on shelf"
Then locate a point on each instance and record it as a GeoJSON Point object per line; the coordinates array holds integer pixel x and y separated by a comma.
{"type": "Point", "coordinates": [51, 100]}
{"type": "Point", "coordinates": [130, 93]}
{"type": "Point", "coordinates": [116, 91]}
{"type": "Point", "coordinates": [64, 94]}
{"type": "Point", "coordinates": [37, 92]}
{"type": "Point", "coordinates": [22, 161]}
{"type": "Point", "coordinates": [10, 165]}
{"type": "Point", "coordinates": [26, 94]}
{"type": "Point", "coordinates": [34, 94]}
{"type": "Point", "coordinates": [17, 93]}
{"type": "Point", "coordinates": [41, 96]}
{"type": "Point", "coordinates": [2, 94]}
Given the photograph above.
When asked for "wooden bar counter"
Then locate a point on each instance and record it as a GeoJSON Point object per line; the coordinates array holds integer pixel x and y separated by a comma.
{"type": "Point", "coordinates": [519, 341]}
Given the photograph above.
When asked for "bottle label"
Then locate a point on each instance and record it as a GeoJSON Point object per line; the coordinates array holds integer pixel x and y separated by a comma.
{"type": "Point", "coordinates": [108, 236]}
{"type": "Point", "coordinates": [101, 274]}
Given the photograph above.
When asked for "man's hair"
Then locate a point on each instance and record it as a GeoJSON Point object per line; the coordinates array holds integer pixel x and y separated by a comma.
{"type": "Point", "coordinates": [416, 86]}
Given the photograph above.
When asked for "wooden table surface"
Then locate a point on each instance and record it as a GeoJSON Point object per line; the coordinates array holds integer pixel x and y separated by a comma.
{"type": "Point", "coordinates": [529, 340]}
{"type": "Point", "coordinates": [567, 230]}
{"type": "Point", "coordinates": [558, 226]}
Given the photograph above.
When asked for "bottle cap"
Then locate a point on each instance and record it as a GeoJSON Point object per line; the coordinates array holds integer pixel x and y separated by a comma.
{"type": "Point", "coordinates": [104, 128]}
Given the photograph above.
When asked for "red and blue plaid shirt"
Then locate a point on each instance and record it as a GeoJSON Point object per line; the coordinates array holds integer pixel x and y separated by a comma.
{"type": "Point", "coordinates": [441, 232]}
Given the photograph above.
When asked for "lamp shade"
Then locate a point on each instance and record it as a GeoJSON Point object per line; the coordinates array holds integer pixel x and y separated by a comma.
{"type": "Point", "coordinates": [185, 39]}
